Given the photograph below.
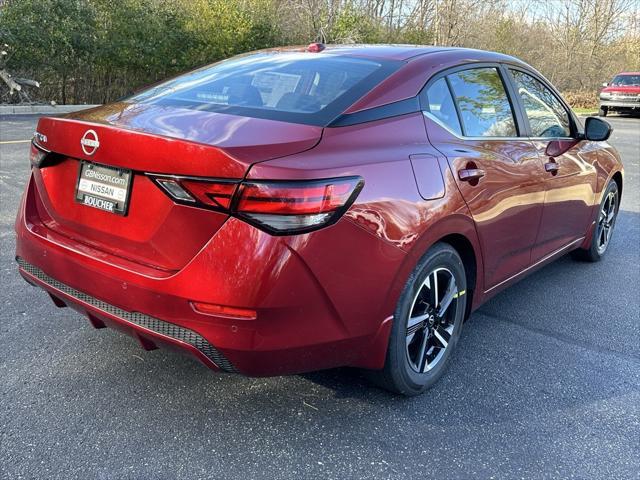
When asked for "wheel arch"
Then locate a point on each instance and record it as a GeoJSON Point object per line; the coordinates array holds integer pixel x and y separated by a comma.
{"type": "Point", "coordinates": [617, 177]}
{"type": "Point", "coordinates": [458, 231]}
{"type": "Point", "coordinates": [465, 249]}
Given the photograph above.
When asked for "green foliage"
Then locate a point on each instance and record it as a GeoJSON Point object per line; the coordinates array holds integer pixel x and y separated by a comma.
{"type": "Point", "coordinates": [53, 34]}
{"type": "Point", "coordinates": [354, 27]}
{"type": "Point", "coordinates": [95, 51]}
{"type": "Point", "coordinates": [98, 50]}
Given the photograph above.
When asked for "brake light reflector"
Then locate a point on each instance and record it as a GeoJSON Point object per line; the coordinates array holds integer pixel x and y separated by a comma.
{"type": "Point", "coordinates": [224, 311]}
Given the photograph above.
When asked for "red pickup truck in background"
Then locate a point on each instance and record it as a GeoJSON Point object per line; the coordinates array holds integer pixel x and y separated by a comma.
{"type": "Point", "coordinates": [621, 95]}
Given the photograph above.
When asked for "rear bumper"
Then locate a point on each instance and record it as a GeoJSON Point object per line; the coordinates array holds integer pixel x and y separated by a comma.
{"type": "Point", "coordinates": [148, 330]}
{"type": "Point", "coordinates": [306, 320]}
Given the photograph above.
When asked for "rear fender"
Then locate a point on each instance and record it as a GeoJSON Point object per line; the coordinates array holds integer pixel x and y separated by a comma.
{"type": "Point", "coordinates": [458, 224]}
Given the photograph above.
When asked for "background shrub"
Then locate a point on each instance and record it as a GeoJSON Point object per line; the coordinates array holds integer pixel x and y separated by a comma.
{"type": "Point", "coordinates": [95, 51]}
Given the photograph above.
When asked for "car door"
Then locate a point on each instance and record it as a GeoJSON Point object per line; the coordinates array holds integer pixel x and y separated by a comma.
{"type": "Point", "coordinates": [570, 178]}
{"type": "Point", "coordinates": [470, 119]}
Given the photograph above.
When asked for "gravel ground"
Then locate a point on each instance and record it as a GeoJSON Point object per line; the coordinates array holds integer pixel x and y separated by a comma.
{"type": "Point", "coordinates": [545, 384]}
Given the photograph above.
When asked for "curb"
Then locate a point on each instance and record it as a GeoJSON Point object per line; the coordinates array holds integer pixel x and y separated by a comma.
{"type": "Point", "coordinates": [41, 109]}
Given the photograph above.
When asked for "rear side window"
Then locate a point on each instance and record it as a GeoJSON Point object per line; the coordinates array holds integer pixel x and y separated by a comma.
{"type": "Point", "coordinates": [441, 106]}
{"type": "Point", "coordinates": [306, 88]}
{"type": "Point", "coordinates": [483, 103]}
{"type": "Point", "coordinates": [547, 116]}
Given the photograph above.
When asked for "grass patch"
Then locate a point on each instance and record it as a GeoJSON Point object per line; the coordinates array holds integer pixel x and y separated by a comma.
{"type": "Point", "coordinates": [586, 111]}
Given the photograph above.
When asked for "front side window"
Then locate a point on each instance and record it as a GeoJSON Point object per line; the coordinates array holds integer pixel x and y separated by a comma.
{"type": "Point", "coordinates": [483, 103]}
{"type": "Point", "coordinates": [547, 116]}
{"type": "Point", "coordinates": [441, 105]}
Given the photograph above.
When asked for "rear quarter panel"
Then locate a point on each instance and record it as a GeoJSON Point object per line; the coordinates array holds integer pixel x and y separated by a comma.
{"type": "Point", "coordinates": [364, 279]}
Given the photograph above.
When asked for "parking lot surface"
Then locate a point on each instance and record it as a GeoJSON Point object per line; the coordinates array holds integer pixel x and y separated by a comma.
{"type": "Point", "coordinates": [545, 384]}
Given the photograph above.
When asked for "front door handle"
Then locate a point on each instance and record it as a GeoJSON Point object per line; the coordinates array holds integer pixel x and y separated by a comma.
{"type": "Point", "coordinates": [551, 166]}
{"type": "Point", "coordinates": [470, 174]}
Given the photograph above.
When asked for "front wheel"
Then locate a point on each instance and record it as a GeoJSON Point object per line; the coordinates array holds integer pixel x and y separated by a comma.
{"type": "Point", "coordinates": [604, 225]}
{"type": "Point", "coordinates": [427, 323]}
{"type": "Point", "coordinates": [602, 112]}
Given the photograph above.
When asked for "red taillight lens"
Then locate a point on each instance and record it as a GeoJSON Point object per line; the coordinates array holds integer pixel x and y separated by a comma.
{"type": "Point", "coordinates": [36, 155]}
{"type": "Point", "coordinates": [294, 199]}
{"type": "Point", "coordinates": [216, 194]}
{"type": "Point", "coordinates": [278, 207]}
{"type": "Point", "coordinates": [296, 207]}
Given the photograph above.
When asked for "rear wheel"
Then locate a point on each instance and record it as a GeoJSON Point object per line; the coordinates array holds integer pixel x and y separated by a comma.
{"type": "Point", "coordinates": [604, 225]}
{"type": "Point", "coordinates": [427, 323]}
{"type": "Point", "coordinates": [602, 112]}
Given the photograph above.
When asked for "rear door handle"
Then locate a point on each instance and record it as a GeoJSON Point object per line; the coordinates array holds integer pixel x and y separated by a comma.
{"type": "Point", "coordinates": [470, 174]}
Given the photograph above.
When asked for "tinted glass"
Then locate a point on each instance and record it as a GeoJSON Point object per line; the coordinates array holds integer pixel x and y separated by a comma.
{"type": "Point", "coordinates": [441, 105]}
{"type": "Point", "coordinates": [547, 116]}
{"type": "Point", "coordinates": [483, 103]}
{"type": "Point", "coordinates": [626, 80]}
{"type": "Point", "coordinates": [299, 87]}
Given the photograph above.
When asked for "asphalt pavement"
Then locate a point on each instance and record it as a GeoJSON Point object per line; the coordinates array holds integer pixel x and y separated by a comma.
{"type": "Point", "coordinates": [545, 384]}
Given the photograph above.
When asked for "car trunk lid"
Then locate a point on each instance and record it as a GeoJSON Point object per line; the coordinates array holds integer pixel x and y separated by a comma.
{"type": "Point", "coordinates": [154, 231]}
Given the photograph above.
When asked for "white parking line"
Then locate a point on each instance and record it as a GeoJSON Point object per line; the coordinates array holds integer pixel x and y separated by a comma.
{"type": "Point", "coordinates": [14, 141]}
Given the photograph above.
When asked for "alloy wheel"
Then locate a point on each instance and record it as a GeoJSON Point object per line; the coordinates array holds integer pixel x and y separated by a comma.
{"type": "Point", "coordinates": [431, 320]}
{"type": "Point", "coordinates": [606, 220]}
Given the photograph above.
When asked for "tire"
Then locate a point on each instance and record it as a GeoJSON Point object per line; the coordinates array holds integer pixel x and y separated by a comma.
{"type": "Point", "coordinates": [407, 368]}
{"type": "Point", "coordinates": [605, 223]}
{"type": "Point", "coordinates": [602, 112]}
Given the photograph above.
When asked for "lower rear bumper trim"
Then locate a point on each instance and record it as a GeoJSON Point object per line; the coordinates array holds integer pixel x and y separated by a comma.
{"type": "Point", "coordinates": [150, 323]}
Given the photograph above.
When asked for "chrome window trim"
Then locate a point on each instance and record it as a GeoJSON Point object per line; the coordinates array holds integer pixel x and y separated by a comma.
{"type": "Point", "coordinates": [549, 139]}
{"type": "Point", "coordinates": [435, 119]}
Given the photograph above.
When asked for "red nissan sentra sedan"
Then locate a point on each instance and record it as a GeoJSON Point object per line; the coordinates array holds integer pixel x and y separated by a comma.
{"type": "Point", "coordinates": [302, 209]}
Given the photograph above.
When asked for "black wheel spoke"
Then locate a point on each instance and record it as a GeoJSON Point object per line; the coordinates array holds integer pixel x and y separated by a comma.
{"type": "Point", "coordinates": [448, 297]}
{"type": "Point", "coordinates": [442, 336]}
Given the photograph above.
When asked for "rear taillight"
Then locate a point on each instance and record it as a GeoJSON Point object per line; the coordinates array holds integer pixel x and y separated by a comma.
{"type": "Point", "coordinates": [36, 155]}
{"type": "Point", "coordinates": [216, 194]}
{"type": "Point", "coordinates": [278, 207]}
{"type": "Point", "coordinates": [40, 157]}
{"type": "Point", "coordinates": [295, 207]}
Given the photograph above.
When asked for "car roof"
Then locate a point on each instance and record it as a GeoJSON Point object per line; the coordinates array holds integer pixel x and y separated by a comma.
{"type": "Point", "coordinates": [389, 52]}
{"type": "Point", "coordinates": [396, 51]}
{"type": "Point", "coordinates": [627, 73]}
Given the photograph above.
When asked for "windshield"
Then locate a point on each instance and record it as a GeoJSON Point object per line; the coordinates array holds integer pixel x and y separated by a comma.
{"type": "Point", "coordinates": [305, 88]}
{"type": "Point", "coordinates": [626, 80]}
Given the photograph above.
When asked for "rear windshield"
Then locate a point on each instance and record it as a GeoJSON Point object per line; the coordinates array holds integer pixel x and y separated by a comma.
{"type": "Point", "coordinates": [627, 80]}
{"type": "Point", "coordinates": [307, 88]}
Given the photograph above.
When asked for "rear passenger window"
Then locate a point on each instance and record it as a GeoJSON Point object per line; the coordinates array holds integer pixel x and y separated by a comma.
{"type": "Point", "coordinates": [547, 116]}
{"type": "Point", "coordinates": [483, 103]}
{"type": "Point", "coordinates": [441, 105]}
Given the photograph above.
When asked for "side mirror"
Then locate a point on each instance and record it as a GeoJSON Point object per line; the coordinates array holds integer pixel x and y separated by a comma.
{"type": "Point", "coordinates": [605, 84]}
{"type": "Point", "coordinates": [556, 148]}
{"type": "Point", "coordinates": [596, 129]}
